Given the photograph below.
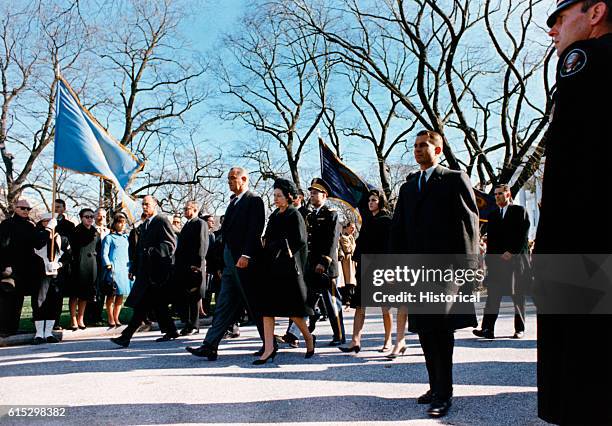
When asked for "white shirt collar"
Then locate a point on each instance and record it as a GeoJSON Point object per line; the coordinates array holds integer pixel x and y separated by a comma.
{"type": "Point", "coordinates": [428, 172]}
{"type": "Point", "coordinates": [504, 210]}
{"type": "Point", "coordinates": [239, 196]}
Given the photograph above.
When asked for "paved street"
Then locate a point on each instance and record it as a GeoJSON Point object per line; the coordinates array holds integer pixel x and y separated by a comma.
{"type": "Point", "coordinates": [154, 383]}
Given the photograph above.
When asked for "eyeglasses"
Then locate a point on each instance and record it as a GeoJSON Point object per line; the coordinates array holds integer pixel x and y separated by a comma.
{"type": "Point", "coordinates": [499, 193]}
{"type": "Point", "coordinates": [88, 216]}
{"type": "Point", "coordinates": [24, 208]}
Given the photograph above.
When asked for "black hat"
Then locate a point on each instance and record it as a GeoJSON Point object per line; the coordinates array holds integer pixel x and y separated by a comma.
{"type": "Point", "coordinates": [320, 185]}
{"type": "Point", "coordinates": [561, 4]}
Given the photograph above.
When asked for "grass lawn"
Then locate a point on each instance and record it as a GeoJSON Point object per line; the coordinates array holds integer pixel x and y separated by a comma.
{"type": "Point", "coordinates": [26, 324]}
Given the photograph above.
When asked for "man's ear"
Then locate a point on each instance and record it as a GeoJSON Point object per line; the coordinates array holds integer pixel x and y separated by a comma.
{"type": "Point", "coordinates": [598, 13]}
{"type": "Point", "coordinates": [438, 150]}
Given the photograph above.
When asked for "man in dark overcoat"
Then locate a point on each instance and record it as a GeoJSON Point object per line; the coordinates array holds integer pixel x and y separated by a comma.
{"type": "Point", "coordinates": [16, 260]}
{"type": "Point", "coordinates": [152, 270]}
{"type": "Point", "coordinates": [436, 214]}
{"type": "Point", "coordinates": [190, 265]}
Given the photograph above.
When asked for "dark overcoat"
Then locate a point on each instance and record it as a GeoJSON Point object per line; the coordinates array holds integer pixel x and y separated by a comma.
{"type": "Point", "coordinates": [153, 259]}
{"type": "Point", "coordinates": [441, 220]}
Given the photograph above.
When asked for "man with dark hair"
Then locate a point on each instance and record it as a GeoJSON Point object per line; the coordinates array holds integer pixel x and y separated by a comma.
{"type": "Point", "coordinates": [151, 268]}
{"type": "Point", "coordinates": [436, 214]}
{"type": "Point", "coordinates": [574, 349]}
{"type": "Point", "coordinates": [16, 259]}
{"type": "Point", "coordinates": [507, 262]}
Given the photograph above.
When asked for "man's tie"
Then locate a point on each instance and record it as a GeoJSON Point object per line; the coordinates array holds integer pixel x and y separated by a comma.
{"type": "Point", "coordinates": [422, 181]}
{"type": "Point", "coordinates": [501, 212]}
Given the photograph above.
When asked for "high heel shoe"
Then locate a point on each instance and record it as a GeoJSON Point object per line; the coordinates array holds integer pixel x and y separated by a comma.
{"type": "Point", "coordinates": [349, 349]}
{"type": "Point", "coordinates": [265, 360]}
{"type": "Point", "coordinates": [395, 355]}
{"type": "Point", "coordinates": [385, 348]}
{"type": "Point", "coordinates": [82, 327]}
{"type": "Point", "coordinates": [310, 354]}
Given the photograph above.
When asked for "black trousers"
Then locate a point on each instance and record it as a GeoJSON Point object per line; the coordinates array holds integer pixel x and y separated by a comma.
{"type": "Point", "coordinates": [332, 301]}
{"type": "Point", "coordinates": [11, 303]}
{"type": "Point", "coordinates": [192, 312]}
{"type": "Point", "coordinates": [48, 309]}
{"type": "Point", "coordinates": [159, 305]}
{"type": "Point", "coordinates": [491, 311]}
{"type": "Point", "coordinates": [438, 348]}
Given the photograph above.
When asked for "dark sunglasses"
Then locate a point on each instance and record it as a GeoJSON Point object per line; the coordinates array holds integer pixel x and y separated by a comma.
{"type": "Point", "coordinates": [88, 216]}
{"type": "Point", "coordinates": [24, 208]}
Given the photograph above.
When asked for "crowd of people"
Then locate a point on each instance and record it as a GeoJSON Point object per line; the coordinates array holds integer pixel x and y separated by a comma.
{"type": "Point", "coordinates": [303, 262]}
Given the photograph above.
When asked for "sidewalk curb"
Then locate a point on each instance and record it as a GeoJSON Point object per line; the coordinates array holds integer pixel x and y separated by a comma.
{"type": "Point", "coordinates": [89, 332]}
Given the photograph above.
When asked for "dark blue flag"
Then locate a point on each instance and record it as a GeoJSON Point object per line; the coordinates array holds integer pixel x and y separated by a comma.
{"type": "Point", "coordinates": [345, 184]}
{"type": "Point", "coordinates": [486, 204]}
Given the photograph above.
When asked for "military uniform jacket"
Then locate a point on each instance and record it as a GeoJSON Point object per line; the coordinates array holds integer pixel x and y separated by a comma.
{"type": "Point", "coordinates": [579, 124]}
{"type": "Point", "coordinates": [323, 233]}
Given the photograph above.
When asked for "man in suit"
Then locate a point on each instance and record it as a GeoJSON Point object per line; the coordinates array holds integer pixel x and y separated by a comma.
{"type": "Point", "coordinates": [190, 265]}
{"type": "Point", "coordinates": [507, 261]}
{"type": "Point", "coordinates": [323, 230]}
{"type": "Point", "coordinates": [151, 268]}
{"type": "Point", "coordinates": [436, 213]}
{"type": "Point", "coordinates": [241, 233]}
{"type": "Point", "coordinates": [574, 347]}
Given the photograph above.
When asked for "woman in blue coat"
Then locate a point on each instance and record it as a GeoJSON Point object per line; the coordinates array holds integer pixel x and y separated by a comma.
{"type": "Point", "coordinates": [116, 263]}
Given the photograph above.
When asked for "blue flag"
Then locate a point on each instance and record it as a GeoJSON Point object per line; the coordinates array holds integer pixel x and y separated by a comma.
{"type": "Point", "coordinates": [486, 204]}
{"type": "Point", "coordinates": [84, 146]}
{"type": "Point", "coordinates": [345, 184]}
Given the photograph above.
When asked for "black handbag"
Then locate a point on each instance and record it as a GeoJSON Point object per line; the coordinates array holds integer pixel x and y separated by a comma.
{"type": "Point", "coordinates": [108, 285]}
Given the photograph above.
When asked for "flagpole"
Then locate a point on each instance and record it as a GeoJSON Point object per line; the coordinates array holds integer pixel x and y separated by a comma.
{"type": "Point", "coordinates": [54, 192]}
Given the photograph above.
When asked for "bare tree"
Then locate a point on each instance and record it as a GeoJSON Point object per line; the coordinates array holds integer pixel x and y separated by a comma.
{"type": "Point", "coordinates": [155, 75]}
{"type": "Point", "coordinates": [458, 86]}
{"type": "Point", "coordinates": [276, 80]}
{"type": "Point", "coordinates": [35, 40]}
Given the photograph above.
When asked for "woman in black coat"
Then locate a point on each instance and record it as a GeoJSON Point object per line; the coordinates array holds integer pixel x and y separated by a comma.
{"type": "Point", "coordinates": [283, 290]}
{"type": "Point", "coordinates": [373, 239]}
{"type": "Point", "coordinates": [85, 243]}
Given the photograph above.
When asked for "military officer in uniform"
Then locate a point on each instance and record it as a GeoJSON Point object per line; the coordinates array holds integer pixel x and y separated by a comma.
{"type": "Point", "coordinates": [574, 348]}
{"type": "Point", "coordinates": [322, 265]}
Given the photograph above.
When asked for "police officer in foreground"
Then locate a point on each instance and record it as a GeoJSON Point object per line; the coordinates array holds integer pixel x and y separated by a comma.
{"type": "Point", "coordinates": [322, 266]}
{"type": "Point", "coordinates": [575, 349]}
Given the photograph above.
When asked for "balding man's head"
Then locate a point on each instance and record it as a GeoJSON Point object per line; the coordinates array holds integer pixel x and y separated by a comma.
{"type": "Point", "coordinates": [238, 180]}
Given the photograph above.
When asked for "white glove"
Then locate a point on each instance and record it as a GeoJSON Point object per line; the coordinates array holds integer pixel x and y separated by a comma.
{"type": "Point", "coordinates": [52, 224]}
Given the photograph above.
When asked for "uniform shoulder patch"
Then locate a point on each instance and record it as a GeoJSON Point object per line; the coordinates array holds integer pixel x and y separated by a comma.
{"type": "Point", "coordinates": [573, 63]}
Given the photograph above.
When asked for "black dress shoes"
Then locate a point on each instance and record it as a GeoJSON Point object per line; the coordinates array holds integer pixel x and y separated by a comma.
{"type": "Point", "coordinates": [337, 342]}
{"type": "Point", "coordinates": [189, 331]}
{"type": "Point", "coordinates": [121, 341]}
{"type": "Point", "coordinates": [487, 334]}
{"type": "Point", "coordinates": [426, 398]}
{"type": "Point", "coordinates": [206, 351]}
{"type": "Point", "coordinates": [167, 337]}
{"type": "Point", "coordinates": [439, 407]}
{"type": "Point", "coordinates": [518, 335]}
